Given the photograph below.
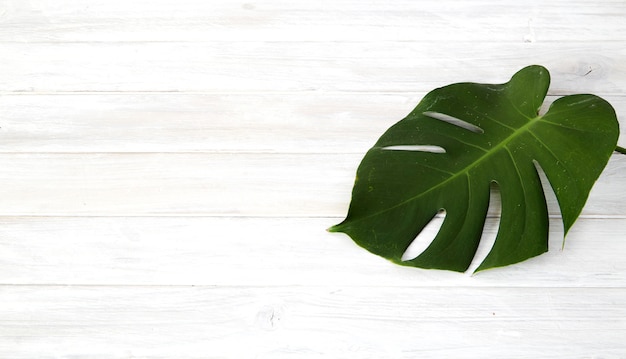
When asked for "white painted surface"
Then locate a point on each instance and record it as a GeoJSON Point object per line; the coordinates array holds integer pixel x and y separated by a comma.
{"type": "Point", "coordinates": [169, 170]}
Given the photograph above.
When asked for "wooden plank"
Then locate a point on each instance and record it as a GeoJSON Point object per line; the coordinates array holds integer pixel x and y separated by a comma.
{"type": "Point", "coordinates": [294, 123]}
{"type": "Point", "coordinates": [275, 252]}
{"type": "Point", "coordinates": [181, 184]}
{"type": "Point", "coordinates": [311, 322]}
{"type": "Point", "coordinates": [269, 123]}
{"type": "Point", "coordinates": [262, 67]}
{"type": "Point", "coordinates": [326, 20]}
{"type": "Point", "coordinates": [138, 184]}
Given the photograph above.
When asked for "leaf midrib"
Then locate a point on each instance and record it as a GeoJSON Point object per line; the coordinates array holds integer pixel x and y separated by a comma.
{"type": "Point", "coordinates": [465, 171]}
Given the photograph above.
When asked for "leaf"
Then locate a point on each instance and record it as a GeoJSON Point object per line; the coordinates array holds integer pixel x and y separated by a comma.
{"type": "Point", "coordinates": [459, 140]}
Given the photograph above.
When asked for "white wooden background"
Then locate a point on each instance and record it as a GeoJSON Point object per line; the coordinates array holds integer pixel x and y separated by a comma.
{"type": "Point", "coordinates": [168, 170]}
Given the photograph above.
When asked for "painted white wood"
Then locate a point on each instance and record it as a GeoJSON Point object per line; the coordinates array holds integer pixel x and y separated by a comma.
{"type": "Point", "coordinates": [273, 123]}
{"type": "Point", "coordinates": [230, 184]}
{"type": "Point", "coordinates": [325, 20]}
{"type": "Point", "coordinates": [261, 67]}
{"type": "Point", "coordinates": [311, 322]}
{"type": "Point", "coordinates": [167, 170]}
{"type": "Point", "coordinates": [244, 251]}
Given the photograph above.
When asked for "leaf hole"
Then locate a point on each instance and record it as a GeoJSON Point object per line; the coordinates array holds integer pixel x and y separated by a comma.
{"type": "Point", "coordinates": [417, 148]}
{"type": "Point", "coordinates": [454, 121]}
{"type": "Point", "coordinates": [425, 237]}
{"type": "Point", "coordinates": [553, 209]}
{"type": "Point", "coordinates": [490, 228]}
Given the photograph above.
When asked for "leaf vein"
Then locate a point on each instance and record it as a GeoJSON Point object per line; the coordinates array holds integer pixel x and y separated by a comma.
{"type": "Point", "coordinates": [567, 127]}
{"type": "Point", "coordinates": [522, 184]}
{"type": "Point", "coordinates": [435, 168]}
{"type": "Point", "coordinates": [493, 119]}
{"type": "Point", "coordinates": [558, 162]}
{"type": "Point", "coordinates": [517, 109]}
{"type": "Point", "coordinates": [462, 171]}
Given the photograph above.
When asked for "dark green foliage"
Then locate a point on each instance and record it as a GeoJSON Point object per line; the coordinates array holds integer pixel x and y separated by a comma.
{"type": "Point", "coordinates": [500, 138]}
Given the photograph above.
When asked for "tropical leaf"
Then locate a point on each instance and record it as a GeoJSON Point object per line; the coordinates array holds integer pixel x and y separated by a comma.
{"type": "Point", "coordinates": [459, 140]}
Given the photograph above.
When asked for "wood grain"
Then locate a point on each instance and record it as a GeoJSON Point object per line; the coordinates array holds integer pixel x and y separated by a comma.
{"type": "Point", "coordinates": [261, 67]}
{"type": "Point", "coordinates": [325, 20]}
{"type": "Point", "coordinates": [230, 184]}
{"type": "Point", "coordinates": [268, 252]}
{"type": "Point", "coordinates": [274, 123]}
{"type": "Point", "coordinates": [309, 322]}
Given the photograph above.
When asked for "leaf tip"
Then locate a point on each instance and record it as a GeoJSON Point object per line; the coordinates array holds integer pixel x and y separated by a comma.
{"type": "Point", "coordinates": [478, 270]}
{"type": "Point", "coordinates": [334, 229]}
{"type": "Point", "coordinates": [482, 268]}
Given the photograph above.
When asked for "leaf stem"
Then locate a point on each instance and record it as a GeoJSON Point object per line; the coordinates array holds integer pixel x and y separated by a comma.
{"type": "Point", "coordinates": [621, 150]}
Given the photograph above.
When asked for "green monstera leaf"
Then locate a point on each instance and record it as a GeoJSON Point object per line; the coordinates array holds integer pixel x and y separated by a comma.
{"type": "Point", "coordinates": [459, 140]}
